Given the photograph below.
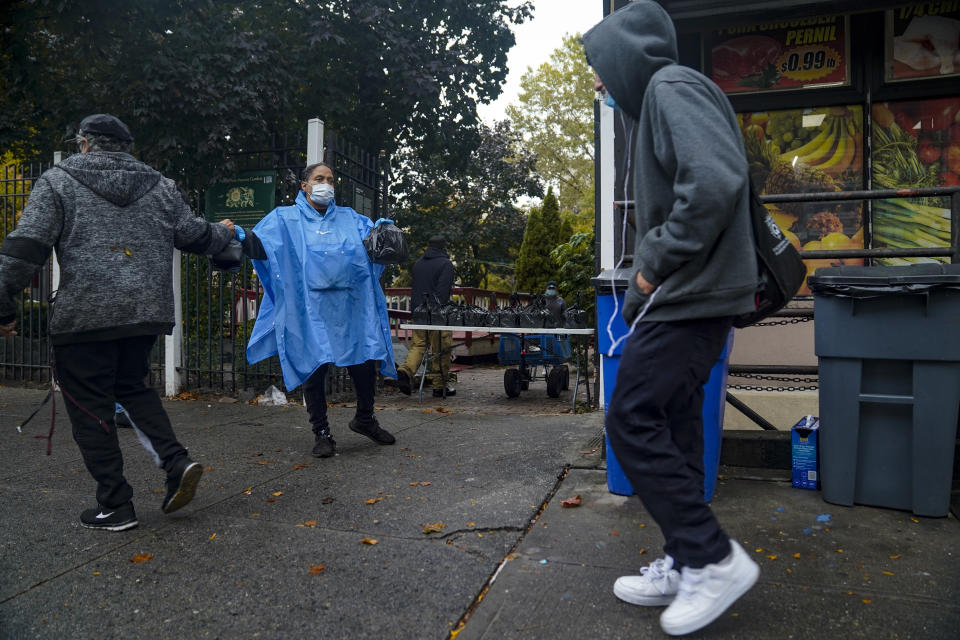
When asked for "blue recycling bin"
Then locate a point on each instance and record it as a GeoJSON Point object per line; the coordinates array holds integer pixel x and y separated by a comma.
{"type": "Point", "coordinates": [714, 400]}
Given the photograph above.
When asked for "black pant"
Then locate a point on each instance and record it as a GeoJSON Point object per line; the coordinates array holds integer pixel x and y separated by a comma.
{"type": "Point", "coordinates": [655, 426]}
{"type": "Point", "coordinates": [97, 374]}
{"type": "Point", "coordinates": [315, 394]}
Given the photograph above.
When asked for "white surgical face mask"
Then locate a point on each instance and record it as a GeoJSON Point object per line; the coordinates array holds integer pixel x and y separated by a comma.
{"type": "Point", "coordinates": [322, 194]}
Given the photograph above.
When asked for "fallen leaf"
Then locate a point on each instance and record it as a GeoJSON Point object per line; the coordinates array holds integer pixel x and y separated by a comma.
{"type": "Point", "coordinates": [888, 573]}
{"type": "Point", "coordinates": [839, 550]}
{"type": "Point", "coordinates": [254, 515]}
{"type": "Point", "coordinates": [771, 557]}
{"type": "Point", "coordinates": [327, 500]}
{"type": "Point", "coordinates": [300, 466]}
{"type": "Point", "coordinates": [614, 533]}
{"type": "Point", "coordinates": [372, 501]}
{"type": "Point", "coordinates": [262, 462]}
{"type": "Point", "coordinates": [271, 499]}
{"type": "Point", "coordinates": [642, 551]}
{"type": "Point", "coordinates": [797, 556]}
{"type": "Point", "coordinates": [317, 569]}
{"type": "Point", "coordinates": [205, 469]}
{"type": "Point", "coordinates": [866, 601]}
{"type": "Point", "coordinates": [370, 541]}
{"type": "Point", "coordinates": [471, 524]}
{"type": "Point", "coordinates": [413, 484]}
{"type": "Point", "coordinates": [96, 573]}
{"type": "Point", "coordinates": [248, 491]}
{"type": "Point", "coordinates": [435, 527]}
{"type": "Point", "coordinates": [277, 493]}
{"type": "Point", "coordinates": [141, 557]}
{"type": "Point", "coordinates": [425, 483]}
{"type": "Point", "coordinates": [896, 557]}
{"type": "Point", "coordinates": [571, 502]}
{"type": "Point", "coordinates": [310, 523]}
{"type": "Point", "coordinates": [212, 537]}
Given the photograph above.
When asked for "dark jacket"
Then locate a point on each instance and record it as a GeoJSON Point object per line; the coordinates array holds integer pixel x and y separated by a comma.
{"type": "Point", "coordinates": [694, 239]}
{"type": "Point", "coordinates": [432, 276]}
{"type": "Point", "coordinates": [114, 222]}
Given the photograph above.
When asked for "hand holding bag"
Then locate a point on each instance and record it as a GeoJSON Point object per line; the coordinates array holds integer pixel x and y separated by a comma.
{"type": "Point", "coordinates": [229, 259]}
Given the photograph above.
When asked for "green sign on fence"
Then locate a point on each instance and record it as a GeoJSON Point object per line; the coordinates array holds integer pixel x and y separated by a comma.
{"type": "Point", "coordinates": [245, 198]}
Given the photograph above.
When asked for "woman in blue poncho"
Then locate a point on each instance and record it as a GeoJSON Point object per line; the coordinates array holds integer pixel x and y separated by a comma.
{"type": "Point", "coordinates": [322, 302]}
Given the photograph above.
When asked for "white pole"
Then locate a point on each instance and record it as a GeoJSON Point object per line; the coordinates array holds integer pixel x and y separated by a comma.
{"type": "Point", "coordinates": [314, 140]}
{"type": "Point", "coordinates": [173, 344]}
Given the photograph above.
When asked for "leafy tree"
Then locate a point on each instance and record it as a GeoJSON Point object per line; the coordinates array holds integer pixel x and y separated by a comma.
{"type": "Point", "coordinates": [469, 198]}
{"type": "Point", "coordinates": [555, 117]}
{"type": "Point", "coordinates": [566, 231]}
{"type": "Point", "coordinates": [197, 79]}
{"type": "Point", "coordinates": [536, 266]}
{"type": "Point", "coordinates": [575, 269]}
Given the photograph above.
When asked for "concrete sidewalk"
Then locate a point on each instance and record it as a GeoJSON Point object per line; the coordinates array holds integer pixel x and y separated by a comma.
{"type": "Point", "coordinates": [505, 560]}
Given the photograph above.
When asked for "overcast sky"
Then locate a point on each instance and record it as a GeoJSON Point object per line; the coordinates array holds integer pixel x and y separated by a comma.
{"type": "Point", "coordinates": [536, 40]}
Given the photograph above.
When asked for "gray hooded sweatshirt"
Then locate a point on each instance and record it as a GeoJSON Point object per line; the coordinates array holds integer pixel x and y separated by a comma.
{"type": "Point", "coordinates": [689, 172]}
{"type": "Point", "coordinates": [115, 223]}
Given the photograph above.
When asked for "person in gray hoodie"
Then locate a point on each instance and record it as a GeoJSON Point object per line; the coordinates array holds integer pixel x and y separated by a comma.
{"type": "Point", "coordinates": [115, 223]}
{"type": "Point", "coordinates": [694, 269]}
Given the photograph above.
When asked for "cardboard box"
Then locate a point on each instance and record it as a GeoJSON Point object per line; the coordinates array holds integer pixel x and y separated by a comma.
{"type": "Point", "coordinates": [806, 459]}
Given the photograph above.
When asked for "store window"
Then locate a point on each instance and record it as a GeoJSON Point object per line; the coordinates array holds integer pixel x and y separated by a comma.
{"type": "Point", "coordinates": [915, 144]}
{"type": "Point", "coordinates": [809, 151]}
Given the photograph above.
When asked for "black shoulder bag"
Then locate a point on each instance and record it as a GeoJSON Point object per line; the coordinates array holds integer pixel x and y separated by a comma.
{"type": "Point", "coordinates": [781, 270]}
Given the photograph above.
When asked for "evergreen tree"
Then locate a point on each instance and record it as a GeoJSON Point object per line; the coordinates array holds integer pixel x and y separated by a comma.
{"type": "Point", "coordinates": [566, 231]}
{"type": "Point", "coordinates": [535, 266]}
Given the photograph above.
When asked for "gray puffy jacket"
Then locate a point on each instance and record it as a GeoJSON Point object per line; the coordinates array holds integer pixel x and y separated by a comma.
{"type": "Point", "coordinates": [114, 222]}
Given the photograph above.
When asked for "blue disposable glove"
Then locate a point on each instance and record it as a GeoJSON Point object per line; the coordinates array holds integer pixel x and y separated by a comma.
{"type": "Point", "coordinates": [382, 221]}
{"type": "Point", "coordinates": [239, 233]}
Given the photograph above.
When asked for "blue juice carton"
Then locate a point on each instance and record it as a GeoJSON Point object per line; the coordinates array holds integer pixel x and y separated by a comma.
{"type": "Point", "coordinates": [803, 440]}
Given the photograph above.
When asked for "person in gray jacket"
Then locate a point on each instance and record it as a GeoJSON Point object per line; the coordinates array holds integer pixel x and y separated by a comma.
{"type": "Point", "coordinates": [694, 269]}
{"type": "Point", "coordinates": [115, 223]}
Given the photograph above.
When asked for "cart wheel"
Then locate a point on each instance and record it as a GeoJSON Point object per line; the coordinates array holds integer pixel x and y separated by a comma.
{"type": "Point", "coordinates": [524, 378]}
{"type": "Point", "coordinates": [511, 382]}
{"type": "Point", "coordinates": [566, 377]}
{"type": "Point", "coordinates": [554, 382]}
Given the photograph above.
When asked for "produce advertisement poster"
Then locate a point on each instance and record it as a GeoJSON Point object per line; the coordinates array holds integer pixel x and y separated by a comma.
{"type": "Point", "coordinates": [780, 56]}
{"type": "Point", "coordinates": [915, 144]}
{"type": "Point", "coordinates": [923, 40]}
{"type": "Point", "coordinates": [810, 151]}
{"type": "Point", "coordinates": [245, 199]}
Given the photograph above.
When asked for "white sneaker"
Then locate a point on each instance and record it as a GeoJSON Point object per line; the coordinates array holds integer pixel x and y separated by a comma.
{"type": "Point", "coordinates": [704, 594]}
{"type": "Point", "coordinates": [655, 586]}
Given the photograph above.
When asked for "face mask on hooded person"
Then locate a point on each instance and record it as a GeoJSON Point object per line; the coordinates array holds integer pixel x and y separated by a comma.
{"type": "Point", "coordinates": [321, 194]}
{"type": "Point", "coordinates": [608, 100]}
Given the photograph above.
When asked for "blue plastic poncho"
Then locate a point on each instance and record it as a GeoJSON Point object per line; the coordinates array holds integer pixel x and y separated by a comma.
{"type": "Point", "coordinates": [322, 300]}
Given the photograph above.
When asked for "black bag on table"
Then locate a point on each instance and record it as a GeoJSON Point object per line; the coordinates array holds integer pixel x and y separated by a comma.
{"type": "Point", "coordinates": [386, 244]}
{"type": "Point", "coordinates": [423, 313]}
{"type": "Point", "coordinates": [780, 267]}
{"type": "Point", "coordinates": [534, 314]}
{"type": "Point", "coordinates": [574, 317]}
{"type": "Point", "coordinates": [507, 316]}
{"type": "Point", "coordinates": [452, 314]}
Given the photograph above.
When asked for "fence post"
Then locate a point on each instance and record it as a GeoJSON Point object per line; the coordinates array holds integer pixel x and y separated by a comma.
{"type": "Point", "coordinates": [173, 344]}
{"type": "Point", "coordinates": [314, 140]}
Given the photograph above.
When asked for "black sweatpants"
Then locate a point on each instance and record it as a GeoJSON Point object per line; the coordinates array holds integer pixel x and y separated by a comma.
{"type": "Point", "coordinates": [364, 378]}
{"type": "Point", "coordinates": [655, 427]}
{"type": "Point", "coordinates": [97, 374]}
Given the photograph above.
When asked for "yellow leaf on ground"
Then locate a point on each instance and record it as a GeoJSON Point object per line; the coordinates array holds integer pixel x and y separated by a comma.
{"type": "Point", "coordinates": [310, 523]}
{"type": "Point", "coordinates": [141, 557]}
{"type": "Point", "coordinates": [797, 556]}
{"type": "Point", "coordinates": [369, 541]}
{"type": "Point", "coordinates": [896, 557]}
{"type": "Point", "coordinates": [205, 469]}
{"type": "Point", "coordinates": [277, 493]}
{"type": "Point", "coordinates": [471, 524]}
{"type": "Point", "coordinates": [212, 537]}
{"type": "Point", "coordinates": [300, 466]}
{"type": "Point", "coordinates": [434, 527]}
{"type": "Point", "coordinates": [372, 501]}
{"type": "Point", "coordinates": [888, 573]}
{"type": "Point", "coordinates": [317, 569]}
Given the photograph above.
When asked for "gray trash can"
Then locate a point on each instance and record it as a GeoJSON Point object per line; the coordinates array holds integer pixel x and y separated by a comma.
{"type": "Point", "coordinates": [888, 342]}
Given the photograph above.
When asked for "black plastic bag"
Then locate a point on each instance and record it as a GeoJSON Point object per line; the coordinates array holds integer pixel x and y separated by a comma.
{"type": "Point", "coordinates": [574, 317]}
{"type": "Point", "coordinates": [229, 259]}
{"type": "Point", "coordinates": [452, 315]}
{"type": "Point", "coordinates": [507, 316]}
{"type": "Point", "coordinates": [386, 244]}
{"type": "Point", "coordinates": [424, 312]}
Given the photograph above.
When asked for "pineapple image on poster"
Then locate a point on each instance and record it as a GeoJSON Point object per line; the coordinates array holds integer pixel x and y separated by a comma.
{"type": "Point", "coordinates": [810, 151]}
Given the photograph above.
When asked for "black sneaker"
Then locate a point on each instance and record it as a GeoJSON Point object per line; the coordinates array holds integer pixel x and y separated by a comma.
{"type": "Point", "coordinates": [117, 519]}
{"type": "Point", "coordinates": [403, 382]}
{"type": "Point", "coordinates": [373, 431]}
{"type": "Point", "coordinates": [325, 447]}
{"type": "Point", "coordinates": [438, 393]}
{"type": "Point", "coordinates": [182, 486]}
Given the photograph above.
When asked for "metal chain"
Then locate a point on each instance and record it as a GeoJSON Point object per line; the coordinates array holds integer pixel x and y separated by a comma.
{"type": "Point", "coordinates": [758, 376]}
{"type": "Point", "coordinates": [786, 321]}
{"type": "Point", "coordinates": [748, 387]}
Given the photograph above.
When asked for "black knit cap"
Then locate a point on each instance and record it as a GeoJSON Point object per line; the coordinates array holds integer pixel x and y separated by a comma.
{"type": "Point", "coordinates": [103, 124]}
{"type": "Point", "coordinates": [437, 242]}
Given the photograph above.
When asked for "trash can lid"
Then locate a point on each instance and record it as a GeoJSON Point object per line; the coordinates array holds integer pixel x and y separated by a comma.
{"type": "Point", "coordinates": [915, 274]}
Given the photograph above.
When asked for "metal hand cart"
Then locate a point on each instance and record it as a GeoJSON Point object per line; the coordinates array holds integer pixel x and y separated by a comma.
{"type": "Point", "coordinates": [538, 357]}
